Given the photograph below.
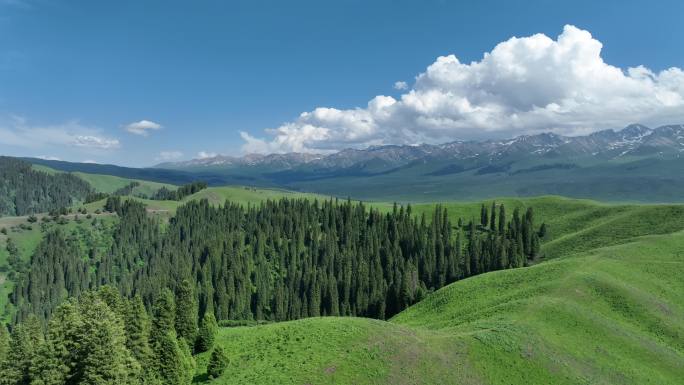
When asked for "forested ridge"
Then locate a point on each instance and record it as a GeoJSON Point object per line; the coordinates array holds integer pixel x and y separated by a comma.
{"type": "Point", "coordinates": [24, 190]}
{"type": "Point", "coordinates": [103, 338]}
{"type": "Point", "coordinates": [135, 312]}
{"type": "Point", "coordinates": [280, 260]}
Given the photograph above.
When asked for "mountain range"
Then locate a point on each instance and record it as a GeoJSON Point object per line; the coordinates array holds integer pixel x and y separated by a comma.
{"type": "Point", "coordinates": [636, 163]}
{"type": "Point", "coordinates": [635, 139]}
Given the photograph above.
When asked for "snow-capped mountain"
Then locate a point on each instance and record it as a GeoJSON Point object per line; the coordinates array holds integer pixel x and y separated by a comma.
{"type": "Point", "coordinates": [634, 140]}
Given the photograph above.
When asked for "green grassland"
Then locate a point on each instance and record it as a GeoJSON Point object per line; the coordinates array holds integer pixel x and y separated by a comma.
{"type": "Point", "coordinates": [217, 195]}
{"type": "Point", "coordinates": [109, 184]}
{"type": "Point", "coordinates": [605, 306]}
{"type": "Point", "coordinates": [576, 225]}
{"type": "Point", "coordinates": [608, 310]}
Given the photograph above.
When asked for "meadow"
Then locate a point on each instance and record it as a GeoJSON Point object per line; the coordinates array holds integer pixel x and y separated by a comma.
{"type": "Point", "coordinates": [602, 306]}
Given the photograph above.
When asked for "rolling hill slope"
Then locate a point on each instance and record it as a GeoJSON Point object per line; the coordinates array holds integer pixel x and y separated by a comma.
{"type": "Point", "coordinates": [110, 183]}
{"type": "Point", "coordinates": [608, 308]}
{"type": "Point", "coordinates": [608, 312]}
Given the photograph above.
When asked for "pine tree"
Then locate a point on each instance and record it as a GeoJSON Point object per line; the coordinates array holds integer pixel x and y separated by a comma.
{"type": "Point", "coordinates": [207, 333]}
{"type": "Point", "coordinates": [186, 312]}
{"type": "Point", "coordinates": [542, 231]}
{"type": "Point", "coordinates": [492, 218]}
{"type": "Point", "coordinates": [484, 221]}
{"type": "Point", "coordinates": [4, 343]}
{"type": "Point", "coordinates": [164, 313]}
{"type": "Point", "coordinates": [26, 341]}
{"type": "Point", "coordinates": [138, 331]}
{"type": "Point", "coordinates": [502, 219]}
{"type": "Point", "coordinates": [217, 363]}
{"type": "Point", "coordinates": [60, 360]}
{"type": "Point", "coordinates": [188, 361]}
{"type": "Point", "coordinates": [168, 358]}
{"type": "Point", "coordinates": [106, 360]}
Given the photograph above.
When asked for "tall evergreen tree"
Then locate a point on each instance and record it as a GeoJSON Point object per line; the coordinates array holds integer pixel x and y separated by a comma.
{"type": "Point", "coordinates": [217, 363]}
{"type": "Point", "coordinates": [106, 360]}
{"type": "Point", "coordinates": [4, 343]}
{"type": "Point", "coordinates": [138, 332]}
{"type": "Point", "coordinates": [26, 341]}
{"type": "Point", "coordinates": [186, 312]}
{"type": "Point", "coordinates": [207, 333]}
{"type": "Point", "coordinates": [484, 221]}
{"type": "Point", "coordinates": [168, 359]}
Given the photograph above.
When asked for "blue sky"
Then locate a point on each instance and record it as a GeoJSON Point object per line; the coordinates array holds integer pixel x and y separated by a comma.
{"type": "Point", "coordinates": [195, 75]}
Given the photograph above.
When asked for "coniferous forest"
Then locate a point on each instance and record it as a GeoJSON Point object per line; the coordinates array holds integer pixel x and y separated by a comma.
{"type": "Point", "coordinates": [281, 260]}
{"type": "Point", "coordinates": [155, 291]}
{"type": "Point", "coordinates": [24, 190]}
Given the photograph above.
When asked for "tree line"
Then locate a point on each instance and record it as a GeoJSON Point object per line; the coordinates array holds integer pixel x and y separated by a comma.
{"type": "Point", "coordinates": [181, 192]}
{"type": "Point", "coordinates": [103, 338]}
{"type": "Point", "coordinates": [163, 193]}
{"type": "Point", "coordinates": [24, 190]}
{"type": "Point", "coordinates": [279, 260]}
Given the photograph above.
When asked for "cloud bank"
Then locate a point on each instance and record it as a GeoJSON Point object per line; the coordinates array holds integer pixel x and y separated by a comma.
{"type": "Point", "coordinates": [524, 85]}
{"type": "Point", "coordinates": [142, 127]}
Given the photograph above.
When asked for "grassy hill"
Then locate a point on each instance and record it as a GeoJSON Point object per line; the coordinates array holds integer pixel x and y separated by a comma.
{"type": "Point", "coordinates": [608, 310]}
{"type": "Point", "coordinates": [217, 195]}
{"type": "Point", "coordinates": [110, 183]}
{"type": "Point", "coordinates": [612, 315]}
{"type": "Point", "coordinates": [576, 225]}
{"type": "Point", "coordinates": [606, 307]}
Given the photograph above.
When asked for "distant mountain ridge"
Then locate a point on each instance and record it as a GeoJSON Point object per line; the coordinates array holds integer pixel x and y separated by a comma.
{"type": "Point", "coordinates": [635, 139]}
{"type": "Point", "coordinates": [634, 164]}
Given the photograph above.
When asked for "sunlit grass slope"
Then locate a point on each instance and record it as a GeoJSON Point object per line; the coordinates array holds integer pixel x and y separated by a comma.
{"type": "Point", "coordinates": [611, 315]}
{"type": "Point", "coordinates": [219, 195]}
{"type": "Point", "coordinates": [109, 184]}
{"type": "Point", "coordinates": [334, 351]}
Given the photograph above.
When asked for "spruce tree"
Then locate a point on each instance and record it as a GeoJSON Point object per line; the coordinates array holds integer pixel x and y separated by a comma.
{"type": "Point", "coordinates": [106, 360]}
{"type": "Point", "coordinates": [4, 343]}
{"type": "Point", "coordinates": [60, 360]}
{"type": "Point", "coordinates": [25, 343]}
{"type": "Point", "coordinates": [207, 333]}
{"type": "Point", "coordinates": [542, 231]}
{"type": "Point", "coordinates": [138, 331]}
{"type": "Point", "coordinates": [186, 312]}
{"type": "Point", "coordinates": [217, 363]}
{"type": "Point", "coordinates": [484, 221]}
{"type": "Point", "coordinates": [187, 361]}
{"type": "Point", "coordinates": [502, 219]}
{"type": "Point", "coordinates": [168, 359]}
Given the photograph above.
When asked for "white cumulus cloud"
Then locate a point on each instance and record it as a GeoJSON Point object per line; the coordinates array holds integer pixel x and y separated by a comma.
{"type": "Point", "coordinates": [142, 127]}
{"type": "Point", "coordinates": [400, 85]}
{"type": "Point", "coordinates": [524, 85]}
{"type": "Point", "coordinates": [206, 154]}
